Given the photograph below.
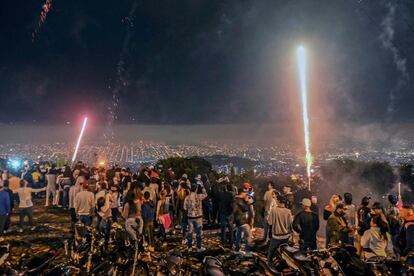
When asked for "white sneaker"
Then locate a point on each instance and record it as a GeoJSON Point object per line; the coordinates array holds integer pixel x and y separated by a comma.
{"type": "Point", "coordinates": [33, 228]}
{"type": "Point", "coordinates": [201, 249]}
{"type": "Point", "coordinates": [20, 230]}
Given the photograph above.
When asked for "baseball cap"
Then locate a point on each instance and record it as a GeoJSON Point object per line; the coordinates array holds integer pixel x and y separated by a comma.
{"type": "Point", "coordinates": [247, 186]}
{"type": "Point", "coordinates": [306, 202]}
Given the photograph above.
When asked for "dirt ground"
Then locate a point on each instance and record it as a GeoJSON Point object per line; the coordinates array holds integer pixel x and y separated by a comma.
{"type": "Point", "coordinates": [52, 230]}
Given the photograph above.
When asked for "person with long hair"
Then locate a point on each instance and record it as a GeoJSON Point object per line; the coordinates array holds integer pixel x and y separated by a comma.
{"type": "Point", "coordinates": [132, 215]}
{"type": "Point", "coordinates": [328, 211]}
{"type": "Point", "coordinates": [376, 241]}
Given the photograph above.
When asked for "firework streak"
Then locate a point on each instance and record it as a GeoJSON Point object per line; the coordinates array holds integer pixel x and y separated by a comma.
{"type": "Point", "coordinates": [302, 64]}
{"type": "Point", "coordinates": [85, 120]}
{"type": "Point", "coordinates": [42, 18]}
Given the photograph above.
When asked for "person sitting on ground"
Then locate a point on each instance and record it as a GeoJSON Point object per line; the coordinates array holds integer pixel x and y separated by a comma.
{"type": "Point", "coordinates": [306, 223]}
{"type": "Point", "coordinates": [376, 241]}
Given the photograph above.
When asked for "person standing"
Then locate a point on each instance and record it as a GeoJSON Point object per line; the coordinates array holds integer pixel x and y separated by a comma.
{"type": "Point", "coordinates": [148, 216]}
{"type": "Point", "coordinates": [394, 220]}
{"type": "Point", "coordinates": [350, 215]}
{"type": "Point", "coordinates": [162, 215]}
{"type": "Point", "coordinates": [364, 220]}
{"type": "Point", "coordinates": [132, 214]}
{"type": "Point", "coordinates": [51, 185]}
{"type": "Point", "coordinates": [280, 219]}
{"type": "Point", "coordinates": [84, 204]}
{"type": "Point", "coordinates": [73, 191]}
{"type": "Point", "coordinates": [225, 210]}
{"type": "Point", "coordinates": [25, 202]}
{"type": "Point", "coordinates": [306, 223]}
{"type": "Point", "coordinates": [193, 204]}
{"type": "Point", "coordinates": [268, 198]}
{"type": "Point", "coordinates": [114, 202]}
{"type": "Point", "coordinates": [4, 209]}
{"type": "Point", "coordinates": [337, 228]}
{"type": "Point", "coordinates": [241, 210]}
{"type": "Point", "coordinates": [11, 197]}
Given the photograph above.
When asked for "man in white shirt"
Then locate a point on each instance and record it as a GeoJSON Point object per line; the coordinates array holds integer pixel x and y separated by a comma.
{"type": "Point", "coordinates": [25, 202]}
{"type": "Point", "coordinates": [51, 185]}
{"type": "Point", "coordinates": [84, 204]}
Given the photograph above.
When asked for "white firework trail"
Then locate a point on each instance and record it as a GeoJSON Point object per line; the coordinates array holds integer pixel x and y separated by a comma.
{"type": "Point", "coordinates": [122, 74]}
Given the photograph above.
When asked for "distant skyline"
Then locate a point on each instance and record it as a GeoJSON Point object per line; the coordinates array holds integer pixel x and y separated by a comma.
{"type": "Point", "coordinates": [206, 61]}
{"type": "Point", "coordinates": [375, 135]}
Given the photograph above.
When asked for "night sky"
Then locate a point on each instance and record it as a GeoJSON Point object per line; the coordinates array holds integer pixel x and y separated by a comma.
{"type": "Point", "coordinates": [205, 61]}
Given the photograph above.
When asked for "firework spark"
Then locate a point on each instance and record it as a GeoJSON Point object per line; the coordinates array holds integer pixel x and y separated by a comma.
{"type": "Point", "coordinates": [302, 64]}
{"type": "Point", "coordinates": [85, 120]}
{"type": "Point", "coordinates": [42, 18]}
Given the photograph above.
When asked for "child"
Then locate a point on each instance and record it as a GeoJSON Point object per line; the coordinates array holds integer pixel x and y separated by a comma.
{"type": "Point", "coordinates": [148, 214]}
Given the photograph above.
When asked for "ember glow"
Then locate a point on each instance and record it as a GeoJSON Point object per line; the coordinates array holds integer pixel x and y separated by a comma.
{"type": "Point", "coordinates": [85, 120]}
{"type": "Point", "coordinates": [302, 64]}
{"type": "Point", "coordinates": [42, 18]}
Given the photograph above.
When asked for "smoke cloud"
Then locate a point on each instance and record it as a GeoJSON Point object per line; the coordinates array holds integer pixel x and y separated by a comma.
{"type": "Point", "coordinates": [387, 40]}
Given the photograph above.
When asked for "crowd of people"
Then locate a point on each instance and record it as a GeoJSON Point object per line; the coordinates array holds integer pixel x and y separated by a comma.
{"type": "Point", "coordinates": [154, 203]}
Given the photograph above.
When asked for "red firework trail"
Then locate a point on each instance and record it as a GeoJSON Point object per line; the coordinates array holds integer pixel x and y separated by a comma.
{"type": "Point", "coordinates": [42, 18]}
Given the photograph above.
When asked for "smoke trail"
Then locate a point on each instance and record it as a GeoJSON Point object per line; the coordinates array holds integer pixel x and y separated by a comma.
{"type": "Point", "coordinates": [122, 74]}
{"type": "Point", "coordinates": [387, 40]}
{"type": "Point", "coordinates": [42, 18]}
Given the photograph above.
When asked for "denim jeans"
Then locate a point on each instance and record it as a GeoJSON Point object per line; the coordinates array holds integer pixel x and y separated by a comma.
{"type": "Point", "coordinates": [65, 199]}
{"type": "Point", "coordinates": [87, 220]}
{"type": "Point", "coordinates": [195, 226]}
{"type": "Point", "coordinates": [243, 235]}
{"type": "Point", "coordinates": [108, 224]}
{"type": "Point", "coordinates": [26, 212]}
{"type": "Point", "coordinates": [274, 244]}
{"type": "Point", "coordinates": [226, 221]}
